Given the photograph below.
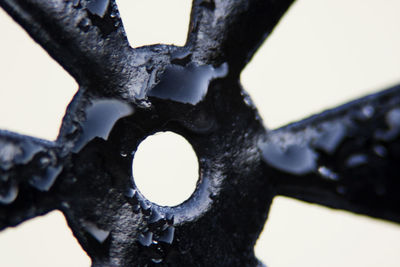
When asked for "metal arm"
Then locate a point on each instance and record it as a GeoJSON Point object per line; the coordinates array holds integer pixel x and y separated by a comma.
{"type": "Point", "coordinates": [343, 158]}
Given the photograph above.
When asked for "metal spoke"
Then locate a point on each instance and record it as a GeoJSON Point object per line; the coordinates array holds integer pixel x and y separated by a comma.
{"type": "Point", "coordinates": [344, 158]}
{"type": "Point", "coordinates": [231, 31]}
{"type": "Point", "coordinates": [85, 37]}
{"type": "Point", "coordinates": [28, 169]}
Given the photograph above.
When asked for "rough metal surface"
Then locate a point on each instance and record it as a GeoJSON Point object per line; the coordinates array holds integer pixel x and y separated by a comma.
{"type": "Point", "coordinates": [345, 158]}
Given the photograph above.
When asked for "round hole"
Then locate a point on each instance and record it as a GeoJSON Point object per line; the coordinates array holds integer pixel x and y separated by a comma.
{"type": "Point", "coordinates": [165, 169]}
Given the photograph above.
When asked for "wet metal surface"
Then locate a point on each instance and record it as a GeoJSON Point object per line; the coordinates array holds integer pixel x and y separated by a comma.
{"type": "Point", "coordinates": [344, 158]}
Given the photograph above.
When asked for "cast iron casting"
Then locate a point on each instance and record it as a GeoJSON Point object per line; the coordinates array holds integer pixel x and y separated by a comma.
{"type": "Point", "coordinates": [345, 158]}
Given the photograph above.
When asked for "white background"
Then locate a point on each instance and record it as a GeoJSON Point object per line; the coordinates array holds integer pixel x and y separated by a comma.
{"type": "Point", "coordinates": [323, 53]}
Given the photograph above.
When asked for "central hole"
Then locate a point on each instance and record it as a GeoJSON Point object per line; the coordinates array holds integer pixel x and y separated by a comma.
{"type": "Point", "coordinates": [165, 169]}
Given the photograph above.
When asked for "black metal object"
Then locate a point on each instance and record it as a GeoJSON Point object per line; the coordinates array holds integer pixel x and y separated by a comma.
{"type": "Point", "coordinates": [343, 158]}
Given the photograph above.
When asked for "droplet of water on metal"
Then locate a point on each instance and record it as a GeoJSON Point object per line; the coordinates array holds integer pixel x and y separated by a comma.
{"type": "Point", "coordinates": [145, 238]}
{"type": "Point", "coordinates": [393, 118]}
{"type": "Point", "coordinates": [380, 151]}
{"type": "Point", "coordinates": [98, 7]}
{"type": "Point", "coordinates": [331, 138]}
{"type": "Point", "coordinates": [114, 14]}
{"type": "Point", "coordinates": [368, 111]}
{"type": "Point", "coordinates": [155, 216]}
{"type": "Point", "coordinates": [136, 208]}
{"type": "Point", "coordinates": [156, 260]}
{"type": "Point", "coordinates": [46, 181]}
{"type": "Point", "coordinates": [84, 24]}
{"type": "Point", "coordinates": [356, 160]}
{"type": "Point", "coordinates": [170, 218]}
{"type": "Point", "coordinates": [187, 84]}
{"type": "Point", "coordinates": [8, 193]}
{"type": "Point", "coordinates": [29, 151]}
{"type": "Point", "coordinates": [8, 153]}
{"type": "Point", "coordinates": [247, 99]}
{"type": "Point", "coordinates": [327, 173]}
{"type": "Point", "coordinates": [44, 161]}
{"type": "Point", "coordinates": [65, 204]}
{"type": "Point", "coordinates": [393, 121]}
{"type": "Point", "coordinates": [168, 235]}
{"type": "Point", "coordinates": [99, 234]}
{"type": "Point", "coordinates": [101, 117]}
{"type": "Point", "coordinates": [181, 57]}
{"type": "Point", "coordinates": [130, 193]}
{"type": "Point", "coordinates": [295, 159]}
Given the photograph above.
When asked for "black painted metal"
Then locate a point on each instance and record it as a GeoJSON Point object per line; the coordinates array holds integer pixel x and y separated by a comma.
{"type": "Point", "coordinates": [344, 158]}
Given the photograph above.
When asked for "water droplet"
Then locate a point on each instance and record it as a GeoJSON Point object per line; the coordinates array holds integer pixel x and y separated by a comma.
{"type": "Point", "coordinates": [8, 152]}
{"type": "Point", "coordinates": [143, 103]}
{"type": "Point", "coordinates": [181, 57]}
{"type": "Point", "coordinates": [98, 7]}
{"type": "Point", "coordinates": [123, 154]}
{"type": "Point", "coordinates": [332, 136]}
{"type": "Point", "coordinates": [136, 208]}
{"type": "Point", "coordinates": [156, 260]}
{"type": "Point", "coordinates": [327, 173]}
{"type": "Point", "coordinates": [187, 84]}
{"type": "Point", "coordinates": [146, 207]}
{"type": "Point", "coordinates": [247, 99]}
{"type": "Point", "coordinates": [72, 130]}
{"type": "Point", "coordinates": [170, 218]}
{"type": "Point", "coordinates": [65, 204]}
{"type": "Point", "coordinates": [101, 117]}
{"type": "Point", "coordinates": [155, 216]}
{"type": "Point", "coordinates": [84, 24]}
{"type": "Point", "coordinates": [163, 226]}
{"type": "Point", "coordinates": [45, 182]}
{"type": "Point", "coordinates": [44, 161]}
{"type": "Point", "coordinates": [114, 14]}
{"type": "Point", "coordinates": [99, 234]}
{"type": "Point", "coordinates": [393, 121]}
{"type": "Point", "coordinates": [75, 3]}
{"type": "Point", "coordinates": [130, 193]}
{"type": "Point", "coordinates": [168, 235]}
{"type": "Point", "coordinates": [368, 111]}
{"type": "Point", "coordinates": [8, 193]}
{"type": "Point", "coordinates": [393, 118]}
{"type": "Point", "coordinates": [295, 159]}
{"type": "Point", "coordinates": [380, 151]}
{"type": "Point", "coordinates": [29, 151]}
{"type": "Point", "coordinates": [145, 239]}
{"type": "Point", "coordinates": [356, 160]}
